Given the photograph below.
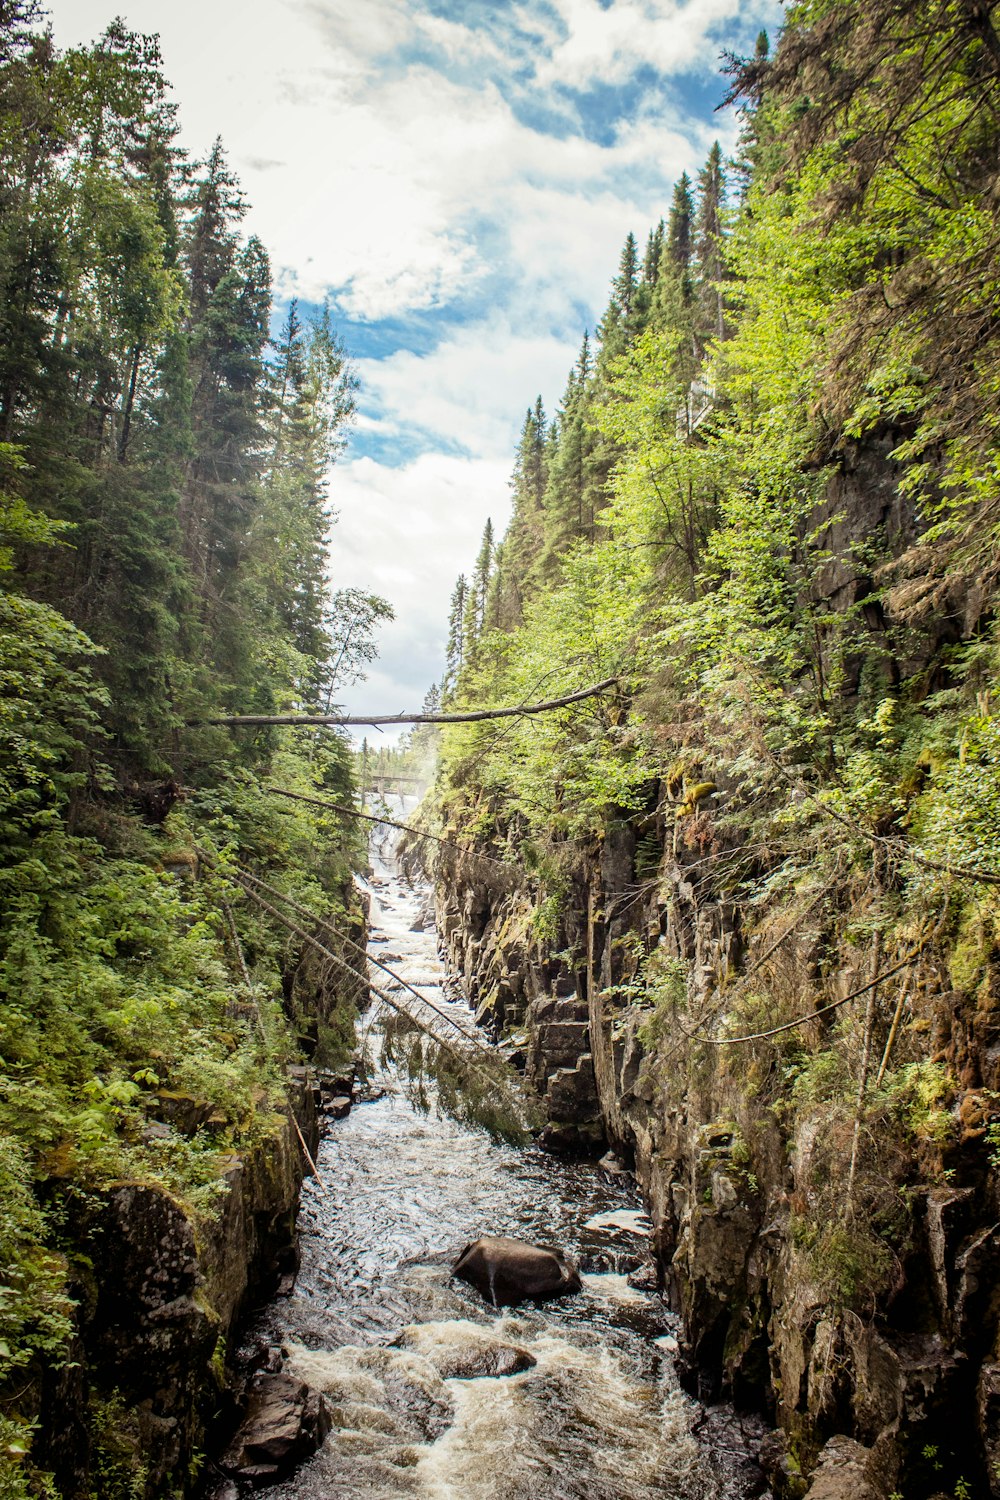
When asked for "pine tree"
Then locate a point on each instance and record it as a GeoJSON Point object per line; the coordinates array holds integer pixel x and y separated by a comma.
{"type": "Point", "coordinates": [751, 75]}
{"type": "Point", "coordinates": [477, 594]}
{"type": "Point", "coordinates": [227, 337]}
{"type": "Point", "coordinates": [525, 535]}
{"type": "Point", "coordinates": [708, 240]}
{"type": "Point", "coordinates": [288, 374]}
{"type": "Point", "coordinates": [650, 274]}
{"type": "Point", "coordinates": [455, 648]}
{"type": "Point", "coordinates": [653, 255]}
{"type": "Point", "coordinates": [619, 325]}
{"type": "Point", "coordinates": [680, 224]}
{"type": "Point", "coordinates": [579, 464]}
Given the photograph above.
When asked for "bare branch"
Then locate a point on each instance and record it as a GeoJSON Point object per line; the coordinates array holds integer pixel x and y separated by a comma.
{"type": "Point", "coordinates": [812, 1015]}
{"type": "Point", "coordinates": [472, 716]}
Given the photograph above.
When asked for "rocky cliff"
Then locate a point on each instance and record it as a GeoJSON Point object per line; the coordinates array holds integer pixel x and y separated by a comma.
{"type": "Point", "coordinates": [158, 1293]}
{"type": "Point", "coordinates": [159, 1284]}
{"type": "Point", "coordinates": [881, 1324]}
{"type": "Point", "coordinates": [823, 1189]}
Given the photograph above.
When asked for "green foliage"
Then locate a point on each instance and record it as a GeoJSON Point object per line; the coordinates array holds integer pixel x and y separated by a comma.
{"type": "Point", "coordinates": [164, 521]}
{"type": "Point", "coordinates": [19, 1479]}
{"type": "Point", "coordinates": [118, 1470]}
{"type": "Point", "coordinates": [113, 999]}
{"type": "Point", "coordinates": [850, 1265]}
{"type": "Point", "coordinates": [919, 1095]}
{"type": "Point", "coordinates": [662, 986]}
{"type": "Point", "coordinates": [34, 1312]}
{"type": "Point", "coordinates": [48, 699]}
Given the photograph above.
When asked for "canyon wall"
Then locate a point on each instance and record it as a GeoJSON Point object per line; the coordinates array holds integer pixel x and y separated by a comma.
{"type": "Point", "coordinates": [149, 1386]}
{"type": "Point", "coordinates": [824, 1200]}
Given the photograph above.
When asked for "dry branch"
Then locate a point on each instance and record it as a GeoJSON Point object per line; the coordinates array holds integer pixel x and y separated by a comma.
{"type": "Point", "coordinates": [813, 1015]}
{"type": "Point", "coordinates": [470, 716]}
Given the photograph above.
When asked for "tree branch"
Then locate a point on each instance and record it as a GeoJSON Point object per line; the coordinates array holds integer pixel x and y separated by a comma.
{"type": "Point", "coordinates": [472, 716]}
{"type": "Point", "coordinates": [812, 1015]}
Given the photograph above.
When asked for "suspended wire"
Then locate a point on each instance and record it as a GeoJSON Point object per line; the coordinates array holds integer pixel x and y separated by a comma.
{"type": "Point", "coordinates": [353, 812]}
{"type": "Point", "coordinates": [303, 911]}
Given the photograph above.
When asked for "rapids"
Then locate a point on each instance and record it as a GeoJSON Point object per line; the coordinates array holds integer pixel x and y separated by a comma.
{"type": "Point", "coordinates": [403, 1353]}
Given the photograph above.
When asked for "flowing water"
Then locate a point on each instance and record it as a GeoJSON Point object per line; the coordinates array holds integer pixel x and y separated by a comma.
{"type": "Point", "coordinates": [405, 1354]}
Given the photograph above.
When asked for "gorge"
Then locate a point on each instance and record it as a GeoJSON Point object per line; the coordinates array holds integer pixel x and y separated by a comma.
{"type": "Point", "coordinates": [686, 963]}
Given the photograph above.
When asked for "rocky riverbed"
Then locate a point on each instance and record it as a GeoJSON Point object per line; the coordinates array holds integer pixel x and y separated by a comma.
{"type": "Point", "coordinates": [427, 1391]}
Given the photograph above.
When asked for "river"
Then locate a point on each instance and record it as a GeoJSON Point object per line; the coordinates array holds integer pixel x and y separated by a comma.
{"type": "Point", "coordinates": [377, 1323]}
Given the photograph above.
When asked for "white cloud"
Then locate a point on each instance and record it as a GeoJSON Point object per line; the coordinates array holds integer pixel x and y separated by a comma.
{"type": "Point", "coordinates": [609, 44]}
{"type": "Point", "coordinates": [407, 532]}
{"type": "Point", "coordinates": [472, 390]}
{"type": "Point", "coordinates": [372, 176]}
{"type": "Point", "coordinates": [387, 158]}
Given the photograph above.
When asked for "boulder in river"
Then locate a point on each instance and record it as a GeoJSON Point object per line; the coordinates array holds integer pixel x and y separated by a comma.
{"type": "Point", "coordinates": [337, 1108]}
{"type": "Point", "coordinates": [509, 1271]}
{"type": "Point", "coordinates": [460, 1350]}
{"type": "Point", "coordinates": [285, 1422]}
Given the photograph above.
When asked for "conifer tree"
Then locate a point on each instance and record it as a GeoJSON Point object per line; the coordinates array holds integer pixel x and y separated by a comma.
{"type": "Point", "coordinates": [455, 648]}
{"type": "Point", "coordinates": [748, 91]}
{"type": "Point", "coordinates": [650, 274]}
{"type": "Point", "coordinates": [525, 535]}
{"type": "Point", "coordinates": [680, 224]}
{"type": "Point", "coordinates": [477, 594]}
{"type": "Point", "coordinates": [653, 255]}
{"type": "Point", "coordinates": [708, 242]}
{"type": "Point", "coordinates": [619, 325]}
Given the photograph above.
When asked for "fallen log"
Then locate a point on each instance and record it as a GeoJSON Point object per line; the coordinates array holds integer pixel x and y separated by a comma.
{"type": "Point", "coordinates": [470, 716]}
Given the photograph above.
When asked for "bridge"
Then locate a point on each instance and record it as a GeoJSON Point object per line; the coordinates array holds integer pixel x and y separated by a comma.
{"type": "Point", "coordinates": [402, 785]}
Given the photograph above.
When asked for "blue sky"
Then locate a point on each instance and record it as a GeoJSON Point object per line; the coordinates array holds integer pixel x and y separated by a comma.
{"type": "Point", "coordinates": [458, 178]}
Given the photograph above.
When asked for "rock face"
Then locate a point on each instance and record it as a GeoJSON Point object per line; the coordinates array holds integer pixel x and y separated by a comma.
{"type": "Point", "coordinates": [485, 929]}
{"type": "Point", "coordinates": [160, 1298]}
{"type": "Point", "coordinates": [766, 1263]}
{"type": "Point", "coordinates": [726, 1180]}
{"type": "Point", "coordinates": [285, 1422]}
{"type": "Point", "coordinates": [845, 1472]}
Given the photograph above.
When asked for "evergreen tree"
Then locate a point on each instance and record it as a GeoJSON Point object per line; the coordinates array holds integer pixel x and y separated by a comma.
{"type": "Point", "coordinates": [619, 325]}
{"type": "Point", "coordinates": [750, 75]}
{"type": "Point", "coordinates": [455, 648]}
{"type": "Point", "coordinates": [708, 242]}
{"type": "Point", "coordinates": [525, 535]}
{"type": "Point", "coordinates": [680, 225]}
{"type": "Point", "coordinates": [651, 260]}
{"type": "Point", "coordinates": [477, 594]}
{"type": "Point", "coordinates": [654, 253]}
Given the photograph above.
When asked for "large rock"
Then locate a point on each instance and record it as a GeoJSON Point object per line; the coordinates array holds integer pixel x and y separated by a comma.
{"type": "Point", "coordinates": [845, 1472]}
{"type": "Point", "coordinates": [148, 1323]}
{"type": "Point", "coordinates": [460, 1350]}
{"type": "Point", "coordinates": [509, 1271]}
{"type": "Point", "coordinates": [285, 1422]}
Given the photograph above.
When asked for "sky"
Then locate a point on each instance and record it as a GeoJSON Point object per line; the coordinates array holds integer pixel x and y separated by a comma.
{"type": "Point", "coordinates": [458, 178]}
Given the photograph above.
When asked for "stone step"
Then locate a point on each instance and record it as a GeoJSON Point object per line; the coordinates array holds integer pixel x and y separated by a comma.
{"type": "Point", "coordinates": [572, 1092]}
{"type": "Point", "coordinates": [549, 1009]}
